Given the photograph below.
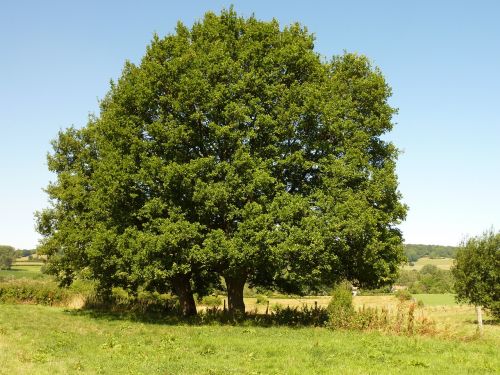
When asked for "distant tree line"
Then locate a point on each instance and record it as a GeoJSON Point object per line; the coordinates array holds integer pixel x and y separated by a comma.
{"type": "Point", "coordinates": [415, 252]}
{"type": "Point", "coordinates": [25, 252]}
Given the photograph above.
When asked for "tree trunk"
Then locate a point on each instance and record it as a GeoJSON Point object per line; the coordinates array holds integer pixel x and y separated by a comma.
{"type": "Point", "coordinates": [479, 320]}
{"type": "Point", "coordinates": [182, 289]}
{"type": "Point", "coordinates": [235, 287]}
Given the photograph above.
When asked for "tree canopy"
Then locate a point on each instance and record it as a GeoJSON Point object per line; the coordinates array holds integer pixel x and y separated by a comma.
{"type": "Point", "coordinates": [234, 151]}
{"type": "Point", "coordinates": [477, 271]}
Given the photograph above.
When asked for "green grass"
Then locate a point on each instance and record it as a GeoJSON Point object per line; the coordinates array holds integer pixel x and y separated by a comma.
{"type": "Point", "coordinates": [48, 340]}
{"type": "Point", "coordinates": [29, 271]}
{"type": "Point", "coordinates": [447, 299]}
{"type": "Point", "coordinates": [443, 263]}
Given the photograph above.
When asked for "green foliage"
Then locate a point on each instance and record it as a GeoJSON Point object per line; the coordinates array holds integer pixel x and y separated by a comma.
{"type": "Point", "coordinates": [232, 150]}
{"type": "Point", "coordinates": [33, 291]}
{"type": "Point", "coordinates": [144, 302]}
{"type": "Point", "coordinates": [7, 256]}
{"type": "Point", "coordinates": [414, 252]}
{"type": "Point", "coordinates": [477, 271]}
{"type": "Point", "coordinates": [299, 316]}
{"type": "Point", "coordinates": [48, 292]}
{"type": "Point", "coordinates": [430, 279]}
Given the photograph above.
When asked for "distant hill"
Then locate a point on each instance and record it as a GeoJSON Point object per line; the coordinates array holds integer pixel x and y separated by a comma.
{"type": "Point", "coordinates": [415, 251]}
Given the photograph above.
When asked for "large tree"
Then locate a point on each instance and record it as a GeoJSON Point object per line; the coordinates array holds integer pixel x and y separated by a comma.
{"type": "Point", "coordinates": [232, 150]}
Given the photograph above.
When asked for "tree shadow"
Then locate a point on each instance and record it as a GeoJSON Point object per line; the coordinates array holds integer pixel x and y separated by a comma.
{"type": "Point", "coordinates": [290, 317]}
{"type": "Point", "coordinates": [486, 322]}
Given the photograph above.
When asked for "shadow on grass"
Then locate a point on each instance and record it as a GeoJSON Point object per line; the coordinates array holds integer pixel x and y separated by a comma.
{"type": "Point", "coordinates": [291, 317]}
{"type": "Point", "coordinates": [492, 322]}
{"type": "Point", "coordinates": [486, 322]}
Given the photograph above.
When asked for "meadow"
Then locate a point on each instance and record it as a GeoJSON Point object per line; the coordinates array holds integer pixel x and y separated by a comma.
{"type": "Point", "coordinates": [38, 339]}
{"type": "Point", "coordinates": [28, 270]}
{"type": "Point", "coordinates": [51, 340]}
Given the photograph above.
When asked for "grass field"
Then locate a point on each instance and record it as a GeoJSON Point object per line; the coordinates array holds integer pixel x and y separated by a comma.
{"type": "Point", "coordinates": [49, 340]}
{"type": "Point", "coordinates": [29, 270]}
{"type": "Point", "coordinates": [443, 263]}
{"type": "Point", "coordinates": [446, 299]}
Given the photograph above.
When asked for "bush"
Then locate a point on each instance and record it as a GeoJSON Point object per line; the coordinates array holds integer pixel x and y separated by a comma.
{"type": "Point", "coordinates": [144, 302]}
{"type": "Point", "coordinates": [47, 292]}
{"type": "Point", "coordinates": [403, 295]}
{"type": "Point", "coordinates": [35, 292]}
{"type": "Point", "coordinates": [300, 316]}
{"type": "Point", "coordinates": [340, 308]}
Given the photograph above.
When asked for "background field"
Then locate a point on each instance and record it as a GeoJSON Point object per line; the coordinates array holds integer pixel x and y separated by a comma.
{"type": "Point", "coordinates": [442, 263]}
{"type": "Point", "coordinates": [29, 270]}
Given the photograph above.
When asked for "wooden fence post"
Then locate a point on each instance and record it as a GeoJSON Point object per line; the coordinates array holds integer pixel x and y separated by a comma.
{"type": "Point", "coordinates": [479, 320]}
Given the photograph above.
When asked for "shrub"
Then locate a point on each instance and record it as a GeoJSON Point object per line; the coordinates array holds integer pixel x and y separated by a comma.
{"type": "Point", "coordinates": [122, 301]}
{"type": "Point", "coordinates": [403, 295]}
{"type": "Point", "coordinates": [35, 292]}
{"type": "Point", "coordinates": [340, 308]}
{"type": "Point", "coordinates": [300, 316]}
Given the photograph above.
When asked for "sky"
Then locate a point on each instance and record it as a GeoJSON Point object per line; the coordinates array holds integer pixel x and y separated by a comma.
{"type": "Point", "coordinates": [442, 60]}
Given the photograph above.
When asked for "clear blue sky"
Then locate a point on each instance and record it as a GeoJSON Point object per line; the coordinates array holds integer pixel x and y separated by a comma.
{"type": "Point", "coordinates": [442, 59]}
